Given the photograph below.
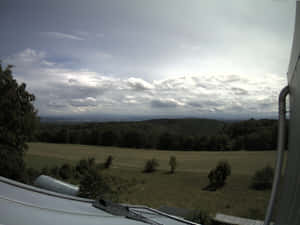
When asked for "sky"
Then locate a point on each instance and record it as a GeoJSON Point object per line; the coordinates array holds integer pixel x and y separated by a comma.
{"type": "Point", "coordinates": [149, 59]}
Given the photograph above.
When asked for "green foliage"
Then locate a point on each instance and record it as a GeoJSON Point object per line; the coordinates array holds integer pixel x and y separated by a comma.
{"type": "Point", "coordinates": [65, 171]}
{"type": "Point", "coordinates": [256, 214]}
{"type": "Point", "coordinates": [151, 165]}
{"type": "Point", "coordinates": [166, 141]}
{"type": "Point", "coordinates": [133, 139]}
{"type": "Point", "coordinates": [217, 177]}
{"type": "Point", "coordinates": [201, 217]}
{"type": "Point", "coordinates": [173, 164]}
{"type": "Point", "coordinates": [11, 163]}
{"type": "Point", "coordinates": [93, 185]}
{"type": "Point", "coordinates": [17, 124]}
{"type": "Point", "coordinates": [109, 138]}
{"type": "Point", "coordinates": [45, 170]}
{"type": "Point", "coordinates": [54, 171]}
{"type": "Point", "coordinates": [168, 134]}
{"type": "Point", "coordinates": [262, 179]}
{"type": "Point", "coordinates": [31, 175]}
{"type": "Point", "coordinates": [108, 162]}
{"type": "Point", "coordinates": [84, 165]}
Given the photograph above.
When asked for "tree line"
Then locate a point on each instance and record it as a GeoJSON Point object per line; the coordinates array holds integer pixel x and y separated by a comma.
{"type": "Point", "coordinates": [242, 135]}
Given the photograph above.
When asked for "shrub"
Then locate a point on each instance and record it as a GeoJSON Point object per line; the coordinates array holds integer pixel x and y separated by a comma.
{"type": "Point", "coordinates": [12, 164]}
{"type": "Point", "coordinates": [45, 171]}
{"type": "Point", "coordinates": [94, 185]}
{"type": "Point", "coordinates": [65, 172]}
{"type": "Point", "coordinates": [31, 174]}
{"type": "Point", "coordinates": [84, 165]}
{"type": "Point", "coordinates": [173, 164]}
{"type": "Point", "coordinates": [108, 162]}
{"type": "Point", "coordinates": [201, 217]}
{"type": "Point", "coordinates": [91, 162]}
{"type": "Point", "coordinates": [54, 171]}
{"type": "Point", "coordinates": [218, 176]}
{"type": "Point", "coordinates": [256, 214]}
{"type": "Point", "coordinates": [151, 165]}
{"type": "Point", "coordinates": [263, 179]}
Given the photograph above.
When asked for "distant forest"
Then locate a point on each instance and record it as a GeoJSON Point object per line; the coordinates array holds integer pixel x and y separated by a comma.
{"type": "Point", "coordinates": [166, 134]}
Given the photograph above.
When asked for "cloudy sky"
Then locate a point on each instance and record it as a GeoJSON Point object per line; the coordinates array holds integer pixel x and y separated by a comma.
{"type": "Point", "coordinates": [170, 58]}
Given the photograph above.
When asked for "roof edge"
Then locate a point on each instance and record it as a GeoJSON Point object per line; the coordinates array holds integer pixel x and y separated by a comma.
{"type": "Point", "coordinates": [43, 191]}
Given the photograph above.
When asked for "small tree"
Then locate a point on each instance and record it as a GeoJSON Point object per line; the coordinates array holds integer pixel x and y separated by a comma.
{"type": "Point", "coordinates": [173, 164]}
{"type": "Point", "coordinates": [93, 185]}
{"type": "Point", "coordinates": [263, 179]}
{"type": "Point", "coordinates": [218, 176]}
{"type": "Point", "coordinates": [108, 162]}
{"type": "Point", "coordinates": [151, 165]}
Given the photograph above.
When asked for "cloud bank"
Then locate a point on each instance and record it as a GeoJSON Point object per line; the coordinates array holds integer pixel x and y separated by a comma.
{"type": "Point", "coordinates": [64, 91]}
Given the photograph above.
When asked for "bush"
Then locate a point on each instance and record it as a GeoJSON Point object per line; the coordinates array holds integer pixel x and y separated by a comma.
{"type": "Point", "coordinates": [65, 172]}
{"type": "Point", "coordinates": [93, 185]}
{"type": "Point", "coordinates": [256, 214]}
{"type": "Point", "coordinates": [12, 164]}
{"type": "Point", "coordinates": [84, 165]}
{"type": "Point", "coordinates": [31, 174]}
{"type": "Point", "coordinates": [108, 162]}
{"type": "Point", "coordinates": [262, 179]}
{"type": "Point", "coordinates": [151, 165]}
{"type": "Point", "coordinates": [54, 171]}
{"type": "Point", "coordinates": [201, 217]}
{"type": "Point", "coordinates": [45, 171]}
{"type": "Point", "coordinates": [218, 176]}
{"type": "Point", "coordinates": [173, 164]}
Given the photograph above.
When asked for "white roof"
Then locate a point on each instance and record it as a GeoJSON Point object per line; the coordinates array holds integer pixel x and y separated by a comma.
{"type": "Point", "coordinates": [22, 204]}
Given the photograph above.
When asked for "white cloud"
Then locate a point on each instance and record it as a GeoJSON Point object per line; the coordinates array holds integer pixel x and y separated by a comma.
{"type": "Point", "coordinates": [84, 102]}
{"type": "Point", "coordinates": [59, 35]}
{"type": "Point", "coordinates": [138, 84]}
{"type": "Point", "coordinates": [71, 91]}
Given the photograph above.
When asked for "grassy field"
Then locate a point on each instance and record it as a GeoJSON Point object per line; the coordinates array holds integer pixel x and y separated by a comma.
{"type": "Point", "coordinates": [182, 189]}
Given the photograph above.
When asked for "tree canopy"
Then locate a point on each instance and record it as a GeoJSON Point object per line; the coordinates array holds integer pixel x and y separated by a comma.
{"type": "Point", "coordinates": [17, 123]}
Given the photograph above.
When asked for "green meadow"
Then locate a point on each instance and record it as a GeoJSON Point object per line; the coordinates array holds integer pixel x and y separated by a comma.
{"type": "Point", "coordinates": [182, 189]}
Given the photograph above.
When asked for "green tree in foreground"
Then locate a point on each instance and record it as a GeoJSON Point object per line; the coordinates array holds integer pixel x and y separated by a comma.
{"type": "Point", "coordinates": [93, 185]}
{"type": "Point", "coordinates": [17, 123]}
{"type": "Point", "coordinates": [173, 164]}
